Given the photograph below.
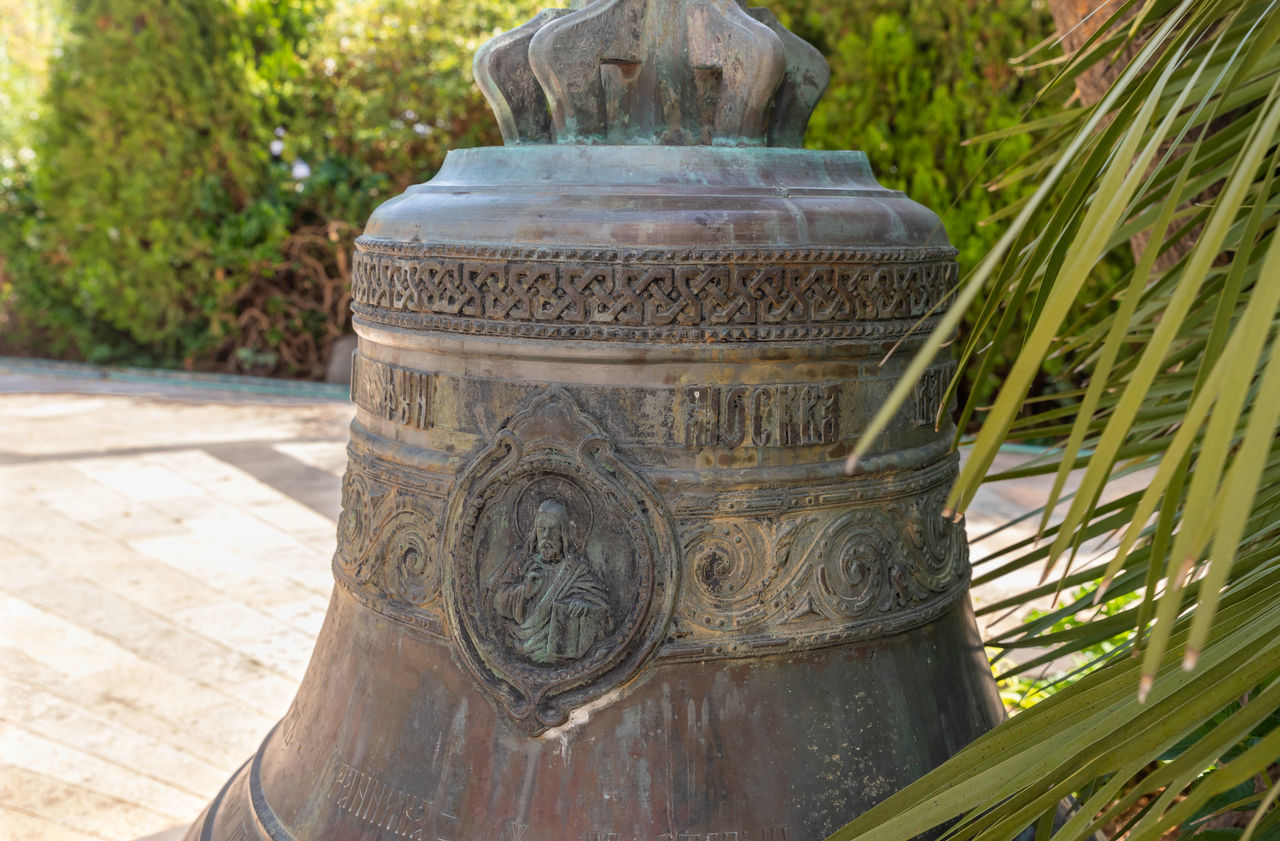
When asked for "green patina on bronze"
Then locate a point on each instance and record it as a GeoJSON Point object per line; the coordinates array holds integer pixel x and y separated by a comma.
{"type": "Point", "coordinates": [600, 576]}
{"type": "Point", "coordinates": [665, 72]}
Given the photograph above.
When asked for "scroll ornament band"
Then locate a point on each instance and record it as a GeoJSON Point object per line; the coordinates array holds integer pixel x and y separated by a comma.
{"type": "Point", "coordinates": [754, 584]}
{"type": "Point", "coordinates": [387, 549]}
{"type": "Point", "coordinates": [849, 563]}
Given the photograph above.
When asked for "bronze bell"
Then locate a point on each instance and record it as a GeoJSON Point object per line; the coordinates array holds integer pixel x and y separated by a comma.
{"type": "Point", "coordinates": [600, 576]}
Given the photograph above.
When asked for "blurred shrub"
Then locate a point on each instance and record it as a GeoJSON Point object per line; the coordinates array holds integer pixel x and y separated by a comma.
{"type": "Point", "coordinates": [28, 33]}
{"type": "Point", "coordinates": [381, 93]}
{"type": "Point", "coordinates": [911, 81]}
{"type": "Point", "coordinates": [386, 91]}
{"type": "Point", "coordinates": [149, 181]}
{"type": "Point", "coordinates": [203, 167]}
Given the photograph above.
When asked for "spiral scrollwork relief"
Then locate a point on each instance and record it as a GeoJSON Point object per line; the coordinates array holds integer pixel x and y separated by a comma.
{"type": "Point", "coordinates": [832, 575]}
{"type": "Point", "coordinates": [784, 578]}
{"type": "Point", "coordinates": [725, 571]}
{"type": "Point", "coordinates": [851, 559]}
{"type": "Point", "coordinates": [412, 573]}
{"type": "Point", "coordinates": [738, 574]}
{"type": "Point", "coordinates": [937, 546]}
{"type": "Point", "coordinates": [946, 536]}
{"type": "Point", "coordinates": [354, 526]}
{"type": "Point", "coordinates": [388, 546]}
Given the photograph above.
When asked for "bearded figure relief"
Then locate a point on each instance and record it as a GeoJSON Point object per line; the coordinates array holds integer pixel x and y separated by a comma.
{"type": "Point", "coordinates": [556, 607]}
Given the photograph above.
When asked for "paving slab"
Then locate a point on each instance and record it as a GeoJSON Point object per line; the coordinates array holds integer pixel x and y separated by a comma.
{"type": "Point", "coordinates": [164, 569]}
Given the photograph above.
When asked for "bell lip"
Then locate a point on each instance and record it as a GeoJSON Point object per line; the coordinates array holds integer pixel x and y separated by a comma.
{"type": "Point", "coordinates": [646, 197]}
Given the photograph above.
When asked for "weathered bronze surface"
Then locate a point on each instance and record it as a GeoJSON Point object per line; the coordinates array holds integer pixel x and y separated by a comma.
{"type": "Point", "coordinates": [599, 574]}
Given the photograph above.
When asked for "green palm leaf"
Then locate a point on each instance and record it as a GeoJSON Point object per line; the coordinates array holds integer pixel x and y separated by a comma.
{"type": "Point", "coordinates": [1180, 366]}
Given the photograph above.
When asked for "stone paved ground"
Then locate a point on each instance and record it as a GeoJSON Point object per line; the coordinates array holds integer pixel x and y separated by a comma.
{"type": "Point", "coordinates": [164, 568]}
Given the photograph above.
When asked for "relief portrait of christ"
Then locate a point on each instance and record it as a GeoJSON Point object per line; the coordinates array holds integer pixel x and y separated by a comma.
{"type": "Point", "coordinates": [556, 607]}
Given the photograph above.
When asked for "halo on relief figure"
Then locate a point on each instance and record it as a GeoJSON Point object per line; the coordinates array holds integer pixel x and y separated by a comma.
{"type": "Point", "coordinates": [564, 490]}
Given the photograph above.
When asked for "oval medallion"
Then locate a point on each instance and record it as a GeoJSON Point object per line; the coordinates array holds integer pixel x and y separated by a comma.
{"type": "Point", "coordinates": [559, 567]}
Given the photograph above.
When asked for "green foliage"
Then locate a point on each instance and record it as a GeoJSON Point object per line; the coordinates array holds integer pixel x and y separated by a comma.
{"type": "Point", "coordinates": [385, 93]}
{"type": "Point", "coordinates": [150, 167]}
{"type": "Point", "coordinates": [28, 33]}
{"type": "Point", "coordinates": [157, 225]}
{"type": "Point", "coordinates": [381, 92]}
{"type": "Point", "coordinates": [1019, 691]}
{"type": "Point", "coordinates": [912, 81]}
{"type": "Point", "coordinates": [1181, 372]}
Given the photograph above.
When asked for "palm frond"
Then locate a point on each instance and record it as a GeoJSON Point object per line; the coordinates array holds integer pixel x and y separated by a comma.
{"type": "Point", "coordinates": [1180, 363]}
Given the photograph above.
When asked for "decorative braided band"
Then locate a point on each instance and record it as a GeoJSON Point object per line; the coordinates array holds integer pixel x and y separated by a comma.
{"type": "Point", "coordinates": [672, 295]}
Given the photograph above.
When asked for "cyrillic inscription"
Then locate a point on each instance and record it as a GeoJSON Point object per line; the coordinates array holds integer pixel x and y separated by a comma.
{"type": "Point", "coordinates": [235, 818]}
{"type": "Point", "coordinates": [762, 416]}
{"type": "Point", "coordinates": [397, 394]}
{"type": "Point", "coordinates": [771, 833]}
{"type": "Point", "coordinates": [929, 392]}
{"type": "Point", "coordinates": [384, 806]}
